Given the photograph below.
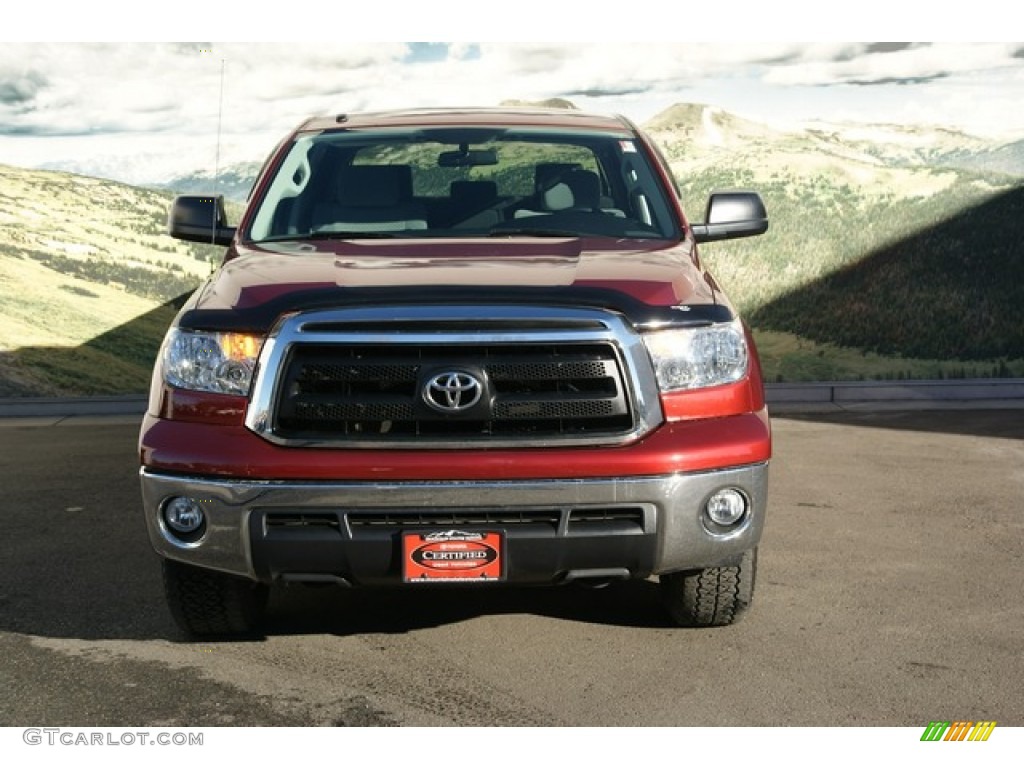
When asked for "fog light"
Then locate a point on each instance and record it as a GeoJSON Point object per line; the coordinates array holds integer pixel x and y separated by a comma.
{"type": "Point", "coordinates": [727, 507]}
{"type": "Point", "coordinates": [183, 516]}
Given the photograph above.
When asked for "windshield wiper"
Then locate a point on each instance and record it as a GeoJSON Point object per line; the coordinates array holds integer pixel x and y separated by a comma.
{"type": "Point", "coordinates": [532, 232]}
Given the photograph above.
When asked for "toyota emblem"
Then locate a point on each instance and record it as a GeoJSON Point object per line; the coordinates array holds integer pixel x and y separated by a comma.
{"type": "Point", "coordinates": [453, 391]}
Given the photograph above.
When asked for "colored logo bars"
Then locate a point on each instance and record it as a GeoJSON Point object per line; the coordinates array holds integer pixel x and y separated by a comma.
{"type": "Point", "coordinates": [961, 730]}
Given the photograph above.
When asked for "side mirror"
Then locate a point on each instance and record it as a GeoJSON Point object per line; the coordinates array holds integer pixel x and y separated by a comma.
{"type": "Point", "coordinates": [200, 219]}
{"type": "Point", "coordinates": [732, 214]}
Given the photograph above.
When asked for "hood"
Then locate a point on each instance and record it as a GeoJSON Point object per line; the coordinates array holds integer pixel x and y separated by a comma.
{"type": "Point", "coordinates": [641, 279]}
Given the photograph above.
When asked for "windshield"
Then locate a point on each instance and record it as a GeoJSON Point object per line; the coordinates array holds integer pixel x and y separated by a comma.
{"type": "Point", "coordinates": [470, 182]}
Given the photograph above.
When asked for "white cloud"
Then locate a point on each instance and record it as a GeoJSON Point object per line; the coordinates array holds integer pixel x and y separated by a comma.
{"type": "Point", "coordinates": [858, 64]}
{"type": "Point", "coordinates": [160, 101]}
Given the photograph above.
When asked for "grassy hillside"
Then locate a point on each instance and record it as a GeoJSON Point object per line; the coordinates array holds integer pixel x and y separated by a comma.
{"type": "Point", "coordinates": [81, 258]}
{"type": "Point", "coordinates": [949, 290]}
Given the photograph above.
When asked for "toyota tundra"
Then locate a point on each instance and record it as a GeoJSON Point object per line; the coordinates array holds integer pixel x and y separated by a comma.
{"type": "Point", "coordinates": [458, 347]}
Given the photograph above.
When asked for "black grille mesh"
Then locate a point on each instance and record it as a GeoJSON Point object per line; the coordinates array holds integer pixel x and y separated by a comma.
{"type": "Point", "coordinates": [373, 392]}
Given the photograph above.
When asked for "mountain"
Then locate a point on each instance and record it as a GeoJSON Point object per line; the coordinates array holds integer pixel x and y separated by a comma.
{"type": "Point", "coordinates": [554, 103]}
{"type": "Point", "coordinates": [1005, 158]}
{"type": "Point", "coordinates": [703, 125]}
{"type": "Point", "coordinates": [234, 182]}
{"type": "Point", "coordinates": [928, 145]}
{"type": "Point", "coordinates": [897, 241]}
{"type": "Point", "coordinates": [700, 135]}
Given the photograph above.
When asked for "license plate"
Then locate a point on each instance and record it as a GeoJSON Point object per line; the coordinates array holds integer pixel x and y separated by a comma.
{"type": "Point", "coordinates": [452, 556]}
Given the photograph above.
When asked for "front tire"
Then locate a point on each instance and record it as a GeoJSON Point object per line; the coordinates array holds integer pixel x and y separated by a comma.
{"type": "Point", "coordinates": [205, 602]}
{"type": "Point", "coordinates": [710, 597]}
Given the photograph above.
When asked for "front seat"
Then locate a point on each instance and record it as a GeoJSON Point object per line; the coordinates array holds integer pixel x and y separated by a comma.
{"type": "Point", "coordinates": [371, 198]}
{"type": "Point", "coordinates": [573, 190]}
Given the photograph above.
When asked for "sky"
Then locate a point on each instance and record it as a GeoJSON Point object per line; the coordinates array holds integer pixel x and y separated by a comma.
{"type": "Point", "coordinates": [147, 112]}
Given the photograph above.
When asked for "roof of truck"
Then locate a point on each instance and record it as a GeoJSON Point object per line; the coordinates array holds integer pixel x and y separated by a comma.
{"type": "Point", "coordinates": [483, 116]}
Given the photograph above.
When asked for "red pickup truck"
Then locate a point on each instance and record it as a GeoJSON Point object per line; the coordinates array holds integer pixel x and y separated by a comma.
{"type": "Point", "coordinates": [458, 347]}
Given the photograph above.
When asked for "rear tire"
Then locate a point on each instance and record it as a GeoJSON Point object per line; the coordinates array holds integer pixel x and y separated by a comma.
{"type": "Point", "coordinates": [710, 597]}
{"type": "Point", "coordinates": [205, 602]}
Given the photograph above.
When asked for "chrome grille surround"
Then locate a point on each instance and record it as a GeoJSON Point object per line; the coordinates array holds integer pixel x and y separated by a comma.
{"type": "Point", "coordinates": [405, 328]}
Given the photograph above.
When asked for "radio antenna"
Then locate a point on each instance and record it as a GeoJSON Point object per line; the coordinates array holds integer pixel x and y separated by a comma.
{"type": "Point", "coordinates": [216, 161]}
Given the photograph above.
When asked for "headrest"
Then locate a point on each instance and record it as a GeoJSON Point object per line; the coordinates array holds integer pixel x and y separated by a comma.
{"type": "Point", "coordinates": [545, 174]}
{"type": "Point", "coordinates": [575, 189]}
{"type": "Point", "coordinates": [378, 186]}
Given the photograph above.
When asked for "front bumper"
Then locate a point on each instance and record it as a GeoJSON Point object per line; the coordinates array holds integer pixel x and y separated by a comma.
{"type": "Point", "coordinates": [555, 530]}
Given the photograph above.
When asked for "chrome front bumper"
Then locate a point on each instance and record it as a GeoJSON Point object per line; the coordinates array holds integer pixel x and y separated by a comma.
{"type": "Point", "coordinates": [671, 533]}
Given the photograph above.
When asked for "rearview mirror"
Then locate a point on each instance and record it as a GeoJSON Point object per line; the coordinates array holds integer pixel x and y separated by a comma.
{"type": "Point", "coordinates": [467, 158]}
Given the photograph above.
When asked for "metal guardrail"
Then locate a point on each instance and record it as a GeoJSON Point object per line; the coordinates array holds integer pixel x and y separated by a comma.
{"type": "Point", "coordinates": [118, 405]}
{"type": "Point", "coordinates": [782, 397]}
{"type": "Point", "coordinates": [895, 394]}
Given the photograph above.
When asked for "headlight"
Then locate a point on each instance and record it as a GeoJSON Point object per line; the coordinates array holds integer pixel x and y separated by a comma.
{"type": "Point", "coordinates": [210, 362]}
{"type": "Point", "coordinates": [690, 358]}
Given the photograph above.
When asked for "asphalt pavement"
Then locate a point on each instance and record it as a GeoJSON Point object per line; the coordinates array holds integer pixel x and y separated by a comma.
{"type": "Point", "coordinates": [888, 594]}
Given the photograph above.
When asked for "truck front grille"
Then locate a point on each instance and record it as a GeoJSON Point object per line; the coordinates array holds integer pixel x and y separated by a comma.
{"type": "Point", "coordinates": [376, 393]}
{"type": "Point", "coordinates": [460, 376]}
